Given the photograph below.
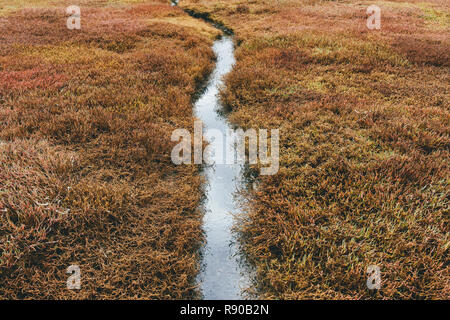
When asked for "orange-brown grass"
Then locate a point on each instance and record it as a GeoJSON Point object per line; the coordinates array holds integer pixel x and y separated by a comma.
{"type": "Point", "coordinates": [364, 159]}
{"type": "Point", "coordinates": [85, 173]}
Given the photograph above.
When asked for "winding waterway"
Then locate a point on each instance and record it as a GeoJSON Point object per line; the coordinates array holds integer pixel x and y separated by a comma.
{"type": "Point", "coordinates": [224, 274]}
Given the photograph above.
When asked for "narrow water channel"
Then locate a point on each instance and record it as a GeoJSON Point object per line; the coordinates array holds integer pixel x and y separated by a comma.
{"type": "Point", "coordinates": [223, 275]}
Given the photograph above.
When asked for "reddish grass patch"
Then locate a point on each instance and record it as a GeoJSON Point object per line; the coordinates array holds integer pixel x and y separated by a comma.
{"type": "Point", "coordinates": [86, 177]}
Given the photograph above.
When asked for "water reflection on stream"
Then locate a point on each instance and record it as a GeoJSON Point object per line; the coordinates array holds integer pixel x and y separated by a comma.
{"type": "Point", "coordinates": [223, 275]}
